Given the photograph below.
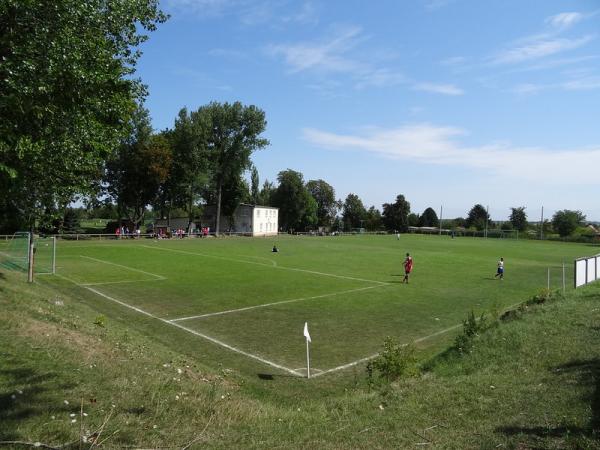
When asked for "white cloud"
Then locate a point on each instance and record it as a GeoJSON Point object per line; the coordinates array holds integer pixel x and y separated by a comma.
{"type": "Point", "coordinates": [564, 20]}
{"type": "Point", "coordinates": [538, 47]}
{"type": "Point", "coordinates": [327, 56]}
{"type": "Point", "coordinates": [445, 89]}
{"type": "Point", "coordinates": [434, 5]}
{"type": "Point", "coordinates": [429, 144]}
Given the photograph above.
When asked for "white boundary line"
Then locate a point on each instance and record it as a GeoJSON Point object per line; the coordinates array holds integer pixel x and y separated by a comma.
{"type": "Point", "coordinates": [158, 277]}
{"type": "Point", "coordinates": [383, 283]}
{"type": "Point", "coordinates": [273, 303]}
{"type": "Point", "coordinates": [196, 333]}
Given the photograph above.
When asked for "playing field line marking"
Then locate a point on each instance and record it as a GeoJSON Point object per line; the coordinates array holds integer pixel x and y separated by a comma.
{"type": "Point", "coordinates": [102, 283]}
{"type": "Point", "coordinates": [194, 332]}
{"type": "Point", "coordinates": [294, 269]}
{"type": "Point", "coordinates": [272, 303]}
{"type": "Point", "coordinates": [158, 277]}
{"type": "Point", "coordinates": [416, 341]}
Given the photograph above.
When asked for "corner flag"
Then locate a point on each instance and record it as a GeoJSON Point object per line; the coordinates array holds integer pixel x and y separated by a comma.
{"type": "Point", "coordinates": [306, 335]}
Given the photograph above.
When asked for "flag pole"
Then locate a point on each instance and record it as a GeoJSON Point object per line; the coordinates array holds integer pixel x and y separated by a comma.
{"type": "Point", "coordinates": [307, 361]}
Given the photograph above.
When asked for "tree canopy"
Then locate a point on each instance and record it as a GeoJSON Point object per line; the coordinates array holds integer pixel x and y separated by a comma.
{"type": "Point", "coordinates": [477, 217]}
{"type": "Point", "coordinates": [324, 195]}
{"type": "Point", "coordinates": [429, 218]}
{"type": "Point", "coordinates": [565, 222]}
{"type": "Point", "coordinates": [67, 95]}
{"type": "Point", "coordinates": [354, 212]}
{"type": "Point", "coordinates": [518, 218]}
{"type": "Point", "coordinates": [395, 215]}
{"type": "Point", "coordinates": [293, 200]}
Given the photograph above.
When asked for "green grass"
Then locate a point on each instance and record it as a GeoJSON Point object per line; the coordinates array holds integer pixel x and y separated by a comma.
{"type": "Point", "coordinates": [347, 288]}
{"type": "Point", "coordinates": [527, 383]}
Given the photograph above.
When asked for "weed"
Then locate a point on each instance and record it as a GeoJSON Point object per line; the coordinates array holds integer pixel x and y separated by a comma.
{"type": "Point", "coordinates": [392, 363]}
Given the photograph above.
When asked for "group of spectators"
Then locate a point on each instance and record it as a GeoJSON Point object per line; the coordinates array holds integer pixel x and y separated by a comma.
{"type": "Point", "coordinates": [123, 232]}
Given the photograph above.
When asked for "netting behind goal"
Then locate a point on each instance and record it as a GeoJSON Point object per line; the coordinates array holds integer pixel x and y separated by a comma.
{"type": "Point", "coordinates": [16, 253]}
{"type": "Point", "coordinates": [44, 258]}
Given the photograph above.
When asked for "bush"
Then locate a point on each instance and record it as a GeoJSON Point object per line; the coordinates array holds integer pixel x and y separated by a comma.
{"type": "Point", "coordinates": [472, 326]}
{"type": "Point", "coordinates": [393, 362]}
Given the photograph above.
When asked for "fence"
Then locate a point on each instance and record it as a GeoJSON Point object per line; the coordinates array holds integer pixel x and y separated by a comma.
{"type": "Point", "coordinates": [587, 270]}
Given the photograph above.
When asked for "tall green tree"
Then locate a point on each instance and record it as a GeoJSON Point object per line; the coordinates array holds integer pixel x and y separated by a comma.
{"type": "Point", "coordinates": [477, 217]}
{"type": "Point", "coordinates": [373, 220]}
{"type": "Point", "coordinates": [518, 218]}
{"type": "Point", "coordinates": [134, 174]}
{"type": "Point", "coordinates": [265, 197]}
{"type": "Point", "coordinates": [254, 186]}
{"type": "Point", "coordinates": [235, 133]}
{"type": "Point", "coordinates": [429, 218]}
{"type": "Point", "coordinates": [190, 176]}
{"type": "Point", "coordinates": [354, 212]}
{"type": "Point", "coordinates": [293, 200]}
{"type": "Point", "coordinates": [395, 215]}
{"type": "Point", "coordinates": [67, 95]}
{"type": "Point", "coordinates": [327, 206]}
{"type": "Point", "coordinates": [565, 222]}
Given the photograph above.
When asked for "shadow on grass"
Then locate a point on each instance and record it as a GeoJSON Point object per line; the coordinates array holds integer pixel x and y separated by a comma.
{"type": "Point", "coordinates": [24, 394]}
{"type": "Point", "coordinates": [588, 373]}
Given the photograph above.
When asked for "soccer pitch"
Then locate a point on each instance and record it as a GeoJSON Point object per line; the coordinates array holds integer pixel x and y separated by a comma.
{"type": "Point", "coordinates": [234, 297]}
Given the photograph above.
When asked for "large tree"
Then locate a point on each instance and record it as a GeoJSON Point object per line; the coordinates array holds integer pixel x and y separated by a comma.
{"type": "Point", "coordinates": [67, 95]}
{"type": "Point", "coordinates": [327, 206]}
{"type": "Point", "coordinates": [293, 200]}
{"type": "Point", "coordinates": [138, 168]}
{"type": "Point", "coordinates": [565, 222]}
{"type": "Point", "coordinates": [395, 215]}
{"type": "Point", "coordinates": [354, 212]}
{"type": "Point", "coordinates": [429, 218]}
{"type": "Point", "coordinates": [477, 218]}
{"type": "Point", "coordinates": [518, 218]}
{"type": "Point", "coordinates": [373, 220]}
{"type": "Point", "coordinates": [234, 135]}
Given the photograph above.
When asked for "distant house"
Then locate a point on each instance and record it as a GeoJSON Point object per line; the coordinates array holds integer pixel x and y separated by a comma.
{"type": "Point", "coordinates": [248, 219]}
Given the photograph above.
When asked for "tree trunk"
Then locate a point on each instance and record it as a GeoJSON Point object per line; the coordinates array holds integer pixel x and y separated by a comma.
{"type": "Point", "coordinates": [190, 206]}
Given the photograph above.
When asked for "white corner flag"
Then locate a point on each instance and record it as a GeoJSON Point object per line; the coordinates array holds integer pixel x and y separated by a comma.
{"type": "Point", "coordinates": [307, 336]}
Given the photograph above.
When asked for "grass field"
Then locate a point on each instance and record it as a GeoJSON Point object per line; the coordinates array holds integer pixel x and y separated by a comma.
{"type": "Point", "coordinates": [234, 301]}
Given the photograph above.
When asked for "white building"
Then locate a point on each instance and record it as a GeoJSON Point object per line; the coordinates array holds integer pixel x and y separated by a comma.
{"type": "Point", "coordinates": [254, 220]}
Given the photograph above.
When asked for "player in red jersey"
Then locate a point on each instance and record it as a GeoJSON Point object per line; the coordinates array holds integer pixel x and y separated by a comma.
{"type": "Point", "coordinates": [408, 266]}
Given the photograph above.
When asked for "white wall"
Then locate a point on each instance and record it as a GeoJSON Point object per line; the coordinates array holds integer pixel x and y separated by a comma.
{"type": "Point", "coordinates": [265, 221]}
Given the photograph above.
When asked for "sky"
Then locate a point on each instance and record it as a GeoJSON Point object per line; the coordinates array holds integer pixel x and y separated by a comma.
{"type": "Point", "coordinates": [448, 102]}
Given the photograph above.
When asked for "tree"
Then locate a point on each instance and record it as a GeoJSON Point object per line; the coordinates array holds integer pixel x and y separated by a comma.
{"type": "Point", "coordinates": [395, 215]}
{"type": "Point", "coordinates": [135, 173]}
{"type": "Point", "coordinates": [324, 194]}
{"type": "Point", "coordinates": [67, 95]}
{"type": "Point", "coordinates": [477, 218]}
{"type": "Point", "coordinates": [565, 222]}
{"type": "Point", "coordinates": [189, 179]}
{"type": "Point", "coordinates": [373, 219]}
{"type": "Point", "coordinates": [429, 218]}
{"type": "Point", "coordinates": [266, 194]}
{"type": "Point", "coordinates": [292, 198]}
{"type": "Point", "coordinates": [234, 134]}
{"type": "Point", "coordinates": [518, 218]}
{"type": "Point", "coordinates": [413, 220]}
{"type": "Point", "coordinates": [254, 187]}
{"type": "Point", "coordinates": [353, 212]}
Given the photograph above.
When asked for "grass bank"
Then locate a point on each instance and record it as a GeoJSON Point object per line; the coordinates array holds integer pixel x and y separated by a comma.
{"type": "Point", "coordinates": [68, 371]}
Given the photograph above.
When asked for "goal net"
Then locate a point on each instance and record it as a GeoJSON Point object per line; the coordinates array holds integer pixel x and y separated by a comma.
{"type": "Point", "coordinates": [16, 254]}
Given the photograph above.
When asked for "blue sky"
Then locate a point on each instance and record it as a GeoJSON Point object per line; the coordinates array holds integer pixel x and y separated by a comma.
{"type": "Point", "coordinates": [449, 102]}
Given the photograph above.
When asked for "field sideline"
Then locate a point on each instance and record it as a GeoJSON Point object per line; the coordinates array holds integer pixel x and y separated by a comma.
{"type": "Point", "coordinates": [250, 303]}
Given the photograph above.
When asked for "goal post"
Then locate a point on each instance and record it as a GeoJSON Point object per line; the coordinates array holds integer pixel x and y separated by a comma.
{"type": "Point", "coordinates": [586, 270]}
{"type": "Point", "coordinates": [35, 255]}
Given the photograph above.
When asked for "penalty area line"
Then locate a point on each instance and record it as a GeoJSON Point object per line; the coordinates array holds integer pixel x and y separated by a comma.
{"type": "Point", "coordinates": [158, 277]}
{"type": "Point", "coordinates": [189, 330]}
{"type": "Point", "coordinates": [333, 294]}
